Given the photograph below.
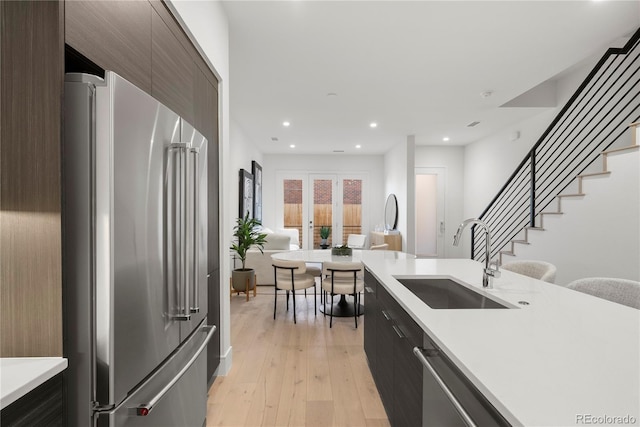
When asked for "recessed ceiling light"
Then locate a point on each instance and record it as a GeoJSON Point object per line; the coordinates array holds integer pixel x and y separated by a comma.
{"type": "Point", "coordinates": [292, 146]}
{"type": "Point", "coordinates": [274, 138]}
{"type": "Point", "coordinates": [445, 139]}
{"type": "Point", "coordinates": [286, 124]}
{"type": "Point", "coordinates": [373, 125]}
{"type": "Point", "coordinates": [358, 146]}
{"type": "Point", "coordinates": [332, 94]}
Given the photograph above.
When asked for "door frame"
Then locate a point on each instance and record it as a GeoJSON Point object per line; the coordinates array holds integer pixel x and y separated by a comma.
{"type": "Point", "coordinates": [306, 240]}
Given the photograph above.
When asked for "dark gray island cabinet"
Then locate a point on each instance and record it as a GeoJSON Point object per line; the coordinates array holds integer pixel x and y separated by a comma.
{"type": "Point", "coordinates": [418, 384]}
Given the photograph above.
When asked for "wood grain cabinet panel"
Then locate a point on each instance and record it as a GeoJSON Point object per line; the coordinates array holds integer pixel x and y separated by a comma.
{"type": "Point", "coordinates": [206, 120]}
{"type": "Point", "coordinates": [40, 407]}
{"type": "Point", "coordinates": [30, 201]}
{"type": "Point", "coordinates": [172, 70]}
{"type": "Point", "coordinates": [116, 35]}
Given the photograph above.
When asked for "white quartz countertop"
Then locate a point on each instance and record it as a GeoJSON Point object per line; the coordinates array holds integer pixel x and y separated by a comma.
{"type": "Point", "coordinates": [20, 375]}
{"type": "Point", "coordinates": [565, 359]}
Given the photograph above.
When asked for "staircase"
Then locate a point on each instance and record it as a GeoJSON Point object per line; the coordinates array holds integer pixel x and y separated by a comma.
{"type": "Point", "coordinates": [592, 125]}
{"type": "Point", "coordinates": [592, 233]}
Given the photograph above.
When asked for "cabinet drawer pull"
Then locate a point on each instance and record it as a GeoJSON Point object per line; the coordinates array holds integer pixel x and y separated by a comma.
{"type": "Point", "coordinates": [417, 351]}
{"type": "Point", "coordinates": [386, 315]}
{"type": "Point", "coordinates": [369, 290]}
{"type": "Point", "coordinates": [399, 331]}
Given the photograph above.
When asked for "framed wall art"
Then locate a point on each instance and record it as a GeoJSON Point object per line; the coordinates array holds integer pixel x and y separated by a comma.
{"type": "Point", "coordinates": [246, 194]}
{"type": "Point", "coordinates": [256, 170]}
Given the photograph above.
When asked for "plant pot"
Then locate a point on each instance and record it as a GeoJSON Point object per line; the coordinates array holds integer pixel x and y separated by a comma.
{"type": "Point", "coordinates": [341, 251]}
{"type": "Point", "coordinates": [239, 279]}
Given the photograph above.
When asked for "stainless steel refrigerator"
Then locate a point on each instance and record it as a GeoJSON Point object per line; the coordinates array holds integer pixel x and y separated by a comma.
{"type": "Point", "coordinates": [134, 258]}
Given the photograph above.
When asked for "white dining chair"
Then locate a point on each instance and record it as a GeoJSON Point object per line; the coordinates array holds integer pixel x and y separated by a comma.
{"type": "Point", "coordinates": [343, 278]}
{"type": "Point", "coordinates": [356, 241]}
{"type": "Point", "coordinates": [380, 247]}
{"type": "Point", "coordinates": [289, 276]}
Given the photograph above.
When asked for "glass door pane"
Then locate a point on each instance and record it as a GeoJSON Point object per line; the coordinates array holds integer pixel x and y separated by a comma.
{"type": "Point", "coordinates": [292, 198]}
{"type": "Point", "coordinates": [322, 210]}
{"type": "Point", "coordinates": [351, 207]}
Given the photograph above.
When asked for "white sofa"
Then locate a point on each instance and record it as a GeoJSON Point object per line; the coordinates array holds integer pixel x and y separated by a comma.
{"type": "Point", "coordinates": [281, 241]}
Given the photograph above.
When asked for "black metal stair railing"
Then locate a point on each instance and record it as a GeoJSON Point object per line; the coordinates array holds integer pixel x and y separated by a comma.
{"type": "Point", "coordinates": [593, 119]}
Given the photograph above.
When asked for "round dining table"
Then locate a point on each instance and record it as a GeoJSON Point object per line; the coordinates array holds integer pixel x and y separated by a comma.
{"type": "Point", "coordinates": [342, 308]}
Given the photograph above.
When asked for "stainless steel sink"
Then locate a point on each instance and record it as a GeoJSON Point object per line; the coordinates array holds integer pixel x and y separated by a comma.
{"type": "Point", "coordinates": [445, 293]}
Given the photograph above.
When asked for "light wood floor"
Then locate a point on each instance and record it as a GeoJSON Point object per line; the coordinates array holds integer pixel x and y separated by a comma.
{"type": "Point", "coordinates": [294, 375]}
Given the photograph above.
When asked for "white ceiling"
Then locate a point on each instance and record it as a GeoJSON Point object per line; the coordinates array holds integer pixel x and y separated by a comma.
{"type": "Point", "coordinates": [414, 67]}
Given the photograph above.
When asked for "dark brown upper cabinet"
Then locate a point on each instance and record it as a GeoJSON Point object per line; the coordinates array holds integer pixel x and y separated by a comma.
{"type": "Point", "coordinates": [116, 35]}
{"type": "Point", "coordinates": [172, 70]}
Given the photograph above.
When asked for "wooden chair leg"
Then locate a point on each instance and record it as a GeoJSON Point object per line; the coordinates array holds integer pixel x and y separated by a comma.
{"type": "Point", "coordinates": [255, 284]}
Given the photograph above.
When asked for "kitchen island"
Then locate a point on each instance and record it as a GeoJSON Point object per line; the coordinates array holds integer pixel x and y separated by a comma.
{"type": "Point", "coordinates": [554, 357]}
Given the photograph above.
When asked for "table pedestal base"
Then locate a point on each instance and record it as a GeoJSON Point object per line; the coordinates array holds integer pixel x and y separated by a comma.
{"type": "Point", "coordinates": [342, 308]}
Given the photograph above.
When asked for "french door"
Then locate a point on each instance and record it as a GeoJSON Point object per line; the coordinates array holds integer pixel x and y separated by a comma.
{"type": "Point", "coordinates": [309, 202]}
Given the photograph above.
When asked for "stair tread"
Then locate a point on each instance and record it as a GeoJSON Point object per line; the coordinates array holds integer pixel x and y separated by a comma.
{"type": "Point", "coordinates": [571, 195]}
{"type": "Point", "coordinates": [551, 213]}
{"type": "Point", "coordinates": [534, 228]}
{"type": "Point", "coordinates": [507, 253]}
{"type": "Point", "coordinates": [618, 150]}
{"type": "Point", "coordinates": [594, 174]}
{"type": "Point", "coordinates": [522, 242]}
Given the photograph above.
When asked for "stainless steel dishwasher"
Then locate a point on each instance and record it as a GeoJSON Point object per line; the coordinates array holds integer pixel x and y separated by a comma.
{"type": "Point", "coordinates": [449, 397]}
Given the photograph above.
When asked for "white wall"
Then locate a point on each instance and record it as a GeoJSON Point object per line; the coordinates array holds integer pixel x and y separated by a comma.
{"type": "Point", "coordinates": [242, 152]}
{"type": "Point", "coordinates": [395, 181]}
{"type": "Point", "coordinates": [490, 161]}
{"type": "Point", "coordinates": [372, 166]}
{"type": "Point", "coordinates": [452, 159]}
{"type": "Point", "coordinates": [206, 23]}
{"type": "Point", "coordinates": [598, 235]}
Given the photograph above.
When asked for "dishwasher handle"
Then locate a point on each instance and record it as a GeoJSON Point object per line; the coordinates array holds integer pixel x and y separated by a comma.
{"type": "Point", "coordinates": [417, 351]}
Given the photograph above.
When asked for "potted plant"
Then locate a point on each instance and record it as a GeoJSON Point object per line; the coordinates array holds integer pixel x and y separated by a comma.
{"type": "Point", "coordinates": [324, 235]}
{"type": "Point", "coordinates": [247, 235]}
{"type": "Point", "coordinates": [343, 250]}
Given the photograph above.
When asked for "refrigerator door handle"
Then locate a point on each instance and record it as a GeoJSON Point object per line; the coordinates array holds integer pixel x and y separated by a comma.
{"type": "Point", "coordinates": [177, 233]}
{"type": "Point", "coordinates": [146, 408]}
{"type": "Point", "coordinates": [195, 174]}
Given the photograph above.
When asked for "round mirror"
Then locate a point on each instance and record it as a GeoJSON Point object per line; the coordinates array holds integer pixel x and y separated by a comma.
{"type": "Point", "coordinates": [391, 213]}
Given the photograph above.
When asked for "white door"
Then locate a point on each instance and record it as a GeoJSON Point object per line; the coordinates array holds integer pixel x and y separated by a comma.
{"type": "Point", "coordinates": [430, 209]}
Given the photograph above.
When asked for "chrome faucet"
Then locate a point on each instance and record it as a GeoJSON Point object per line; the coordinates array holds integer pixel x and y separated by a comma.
{"type": "Point", "coordinates": [490, 271]}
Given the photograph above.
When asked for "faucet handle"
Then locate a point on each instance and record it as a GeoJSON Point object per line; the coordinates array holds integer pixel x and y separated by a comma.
{"type": "Point", "coordinates": [493, 270]}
